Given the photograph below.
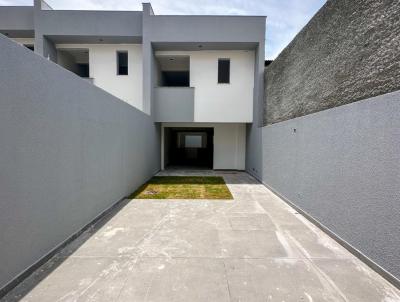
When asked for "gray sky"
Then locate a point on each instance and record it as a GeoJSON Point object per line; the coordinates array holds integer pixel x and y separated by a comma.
{"type": "Point", "coordinates": [285, 18]}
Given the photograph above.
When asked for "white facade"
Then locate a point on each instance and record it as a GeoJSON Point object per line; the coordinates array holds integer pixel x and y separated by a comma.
{"type": "Point", "coordinates": [103, 70]}
{"type": "Point", "coordinates": [229, 143]}
{"type": "Point", "coordinates": [224, 107]}
{"type": "Point", "coordinates": [214, 102]}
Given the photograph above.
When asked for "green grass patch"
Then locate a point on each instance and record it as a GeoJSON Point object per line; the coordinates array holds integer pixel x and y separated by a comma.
{"type": "Point", "coordinates": [183, 187]}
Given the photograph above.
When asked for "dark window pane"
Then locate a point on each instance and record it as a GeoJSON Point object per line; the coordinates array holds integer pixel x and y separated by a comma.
{"type": "Point", "coordinates": [122, 63]}
{"type": "Point", "coordinates": [31, 47]}
{"type": "Point", "coordinates": [224, 70]}
{"type": "Point", "coordinates": [83, 70]}
{"type": "Point", "coordinates": [175, 78]}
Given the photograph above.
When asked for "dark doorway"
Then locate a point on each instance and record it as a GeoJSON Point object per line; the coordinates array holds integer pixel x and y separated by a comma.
{"type": "Point", "coordinates": [188, 147]}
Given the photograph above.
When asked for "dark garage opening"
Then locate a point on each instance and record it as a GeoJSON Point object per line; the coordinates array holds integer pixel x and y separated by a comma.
{"type": "Point", "coordinates": [188, 148]}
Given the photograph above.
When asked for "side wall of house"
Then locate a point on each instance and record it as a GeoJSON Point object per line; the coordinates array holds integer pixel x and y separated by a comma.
{"type": "Point", "coordinates": [340, 165]}
{"type": "Point", "coordinates": [69, 151]}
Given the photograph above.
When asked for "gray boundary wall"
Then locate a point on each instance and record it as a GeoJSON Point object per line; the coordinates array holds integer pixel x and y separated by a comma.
{"type": "Point", "coordinates": [342, 167]}
{"type": "Point", "coordinates": [332, 144]}
{"type": "Point", "coordinates": [68, 151]}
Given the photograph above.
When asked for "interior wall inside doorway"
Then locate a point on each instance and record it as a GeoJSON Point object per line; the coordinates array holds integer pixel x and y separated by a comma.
{"type": "Point", "coordinates": [229, 143]}
{"type": "Point", "coordinates": [188, 147]}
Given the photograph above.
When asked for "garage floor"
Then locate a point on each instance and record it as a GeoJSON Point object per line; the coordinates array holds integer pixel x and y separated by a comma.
{"type": "Point", "coordinates": [252, 248]}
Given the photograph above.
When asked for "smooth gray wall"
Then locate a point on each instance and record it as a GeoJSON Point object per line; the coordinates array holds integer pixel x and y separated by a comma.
{"type": "Point", "coordinates": [254, 130]}
{"type": "Point", "coordinates": [90, 23]}
{"type": "Point", "coordinates": [342, 166]}
{"type": "Point", "coordinates": [16, 18]}
{"type": "Point", "coordinates": [174, 104]}
{"type": "Point", "coordinates": [68, 151]}
{"type": "Point", "coordinates": [349, 51]}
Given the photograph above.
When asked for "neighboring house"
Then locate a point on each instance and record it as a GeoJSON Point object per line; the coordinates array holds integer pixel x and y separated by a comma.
{"type": "Point", "coordinates": [199, 76]}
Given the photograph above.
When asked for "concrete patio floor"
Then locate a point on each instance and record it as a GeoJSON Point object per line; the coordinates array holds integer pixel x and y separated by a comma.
{"type": "Point", "coordinates": [252, 248]}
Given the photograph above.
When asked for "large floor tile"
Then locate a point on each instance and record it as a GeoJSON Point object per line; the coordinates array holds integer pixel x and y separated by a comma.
{"type": "Point", "coordinates": [289, 280]}
{"type": "Point", "coordinates": [251, 244]}
{"type": "Point", "coordinates": [193, 240]}
{"type": "Point", "coordinates": [74, 279]}
{"type": "Point", "coordinates": [174, 280]}
{"type": "Point", "coordinates": [110, 241]}
{"type": "Point", "coordinates": [356, 281]}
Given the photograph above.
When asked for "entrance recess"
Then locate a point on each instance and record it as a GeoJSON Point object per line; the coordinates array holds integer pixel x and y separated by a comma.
{"type": "Point", "coordinates": [188, 148]}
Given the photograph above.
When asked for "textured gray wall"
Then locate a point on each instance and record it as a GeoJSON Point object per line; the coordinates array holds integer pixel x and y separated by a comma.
{"type": "Point", "coordinates": [349, 51]}
{"type": "Point", "coordinates": [68, 151]}
{"type": "Point", "coordinates": [342, 166]}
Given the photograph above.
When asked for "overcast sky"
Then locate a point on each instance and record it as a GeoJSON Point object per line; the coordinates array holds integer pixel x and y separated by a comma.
{"type": "Point", "coordinates": [285, 18]}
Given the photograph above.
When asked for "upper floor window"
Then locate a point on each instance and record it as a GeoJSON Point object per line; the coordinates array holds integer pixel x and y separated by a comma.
{"type": "Point", "coordinates": [224, 66]}
{"type": "Point", "coordinates": [122, 63]}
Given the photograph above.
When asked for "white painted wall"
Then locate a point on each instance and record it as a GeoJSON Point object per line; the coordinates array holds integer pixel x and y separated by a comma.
{"type": "Point", "coordinates": [230, 146]}
{"type": "Point", "coordinates": [103, 69]}
{"type": "Point", "coordinates": [229, 143]}
{"type": "Point", "coordinates": [230, 103]}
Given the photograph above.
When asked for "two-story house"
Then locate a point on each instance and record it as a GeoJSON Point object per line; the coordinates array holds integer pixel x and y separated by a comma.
{"type": "Point", "coordinates": [200, 77]}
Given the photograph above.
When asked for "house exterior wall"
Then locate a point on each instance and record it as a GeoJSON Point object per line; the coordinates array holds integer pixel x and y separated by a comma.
{"type": "Point", "coordinates": [229, 143]}
{"type": "Point", "coordinates": [52, 27]}
{"type": "Point", "coordinates": [103, 63]}
{"type": "Point", "coordinates": [68, 152]}
{"type": "Point", "coordinates": [228, 31]}
{"type": "Point", "coordinates": [213, 102]}
{"type": "Point", "coordinates": [229, 146]}
{"type": "Point", "coordinates": [103, 69]}
{"type": "Point", "coordinates": [174, 104]}
{"type": "Point", "coordinates": [17, 18]}
{"type": "Point", "coordinates": [90, 23]}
